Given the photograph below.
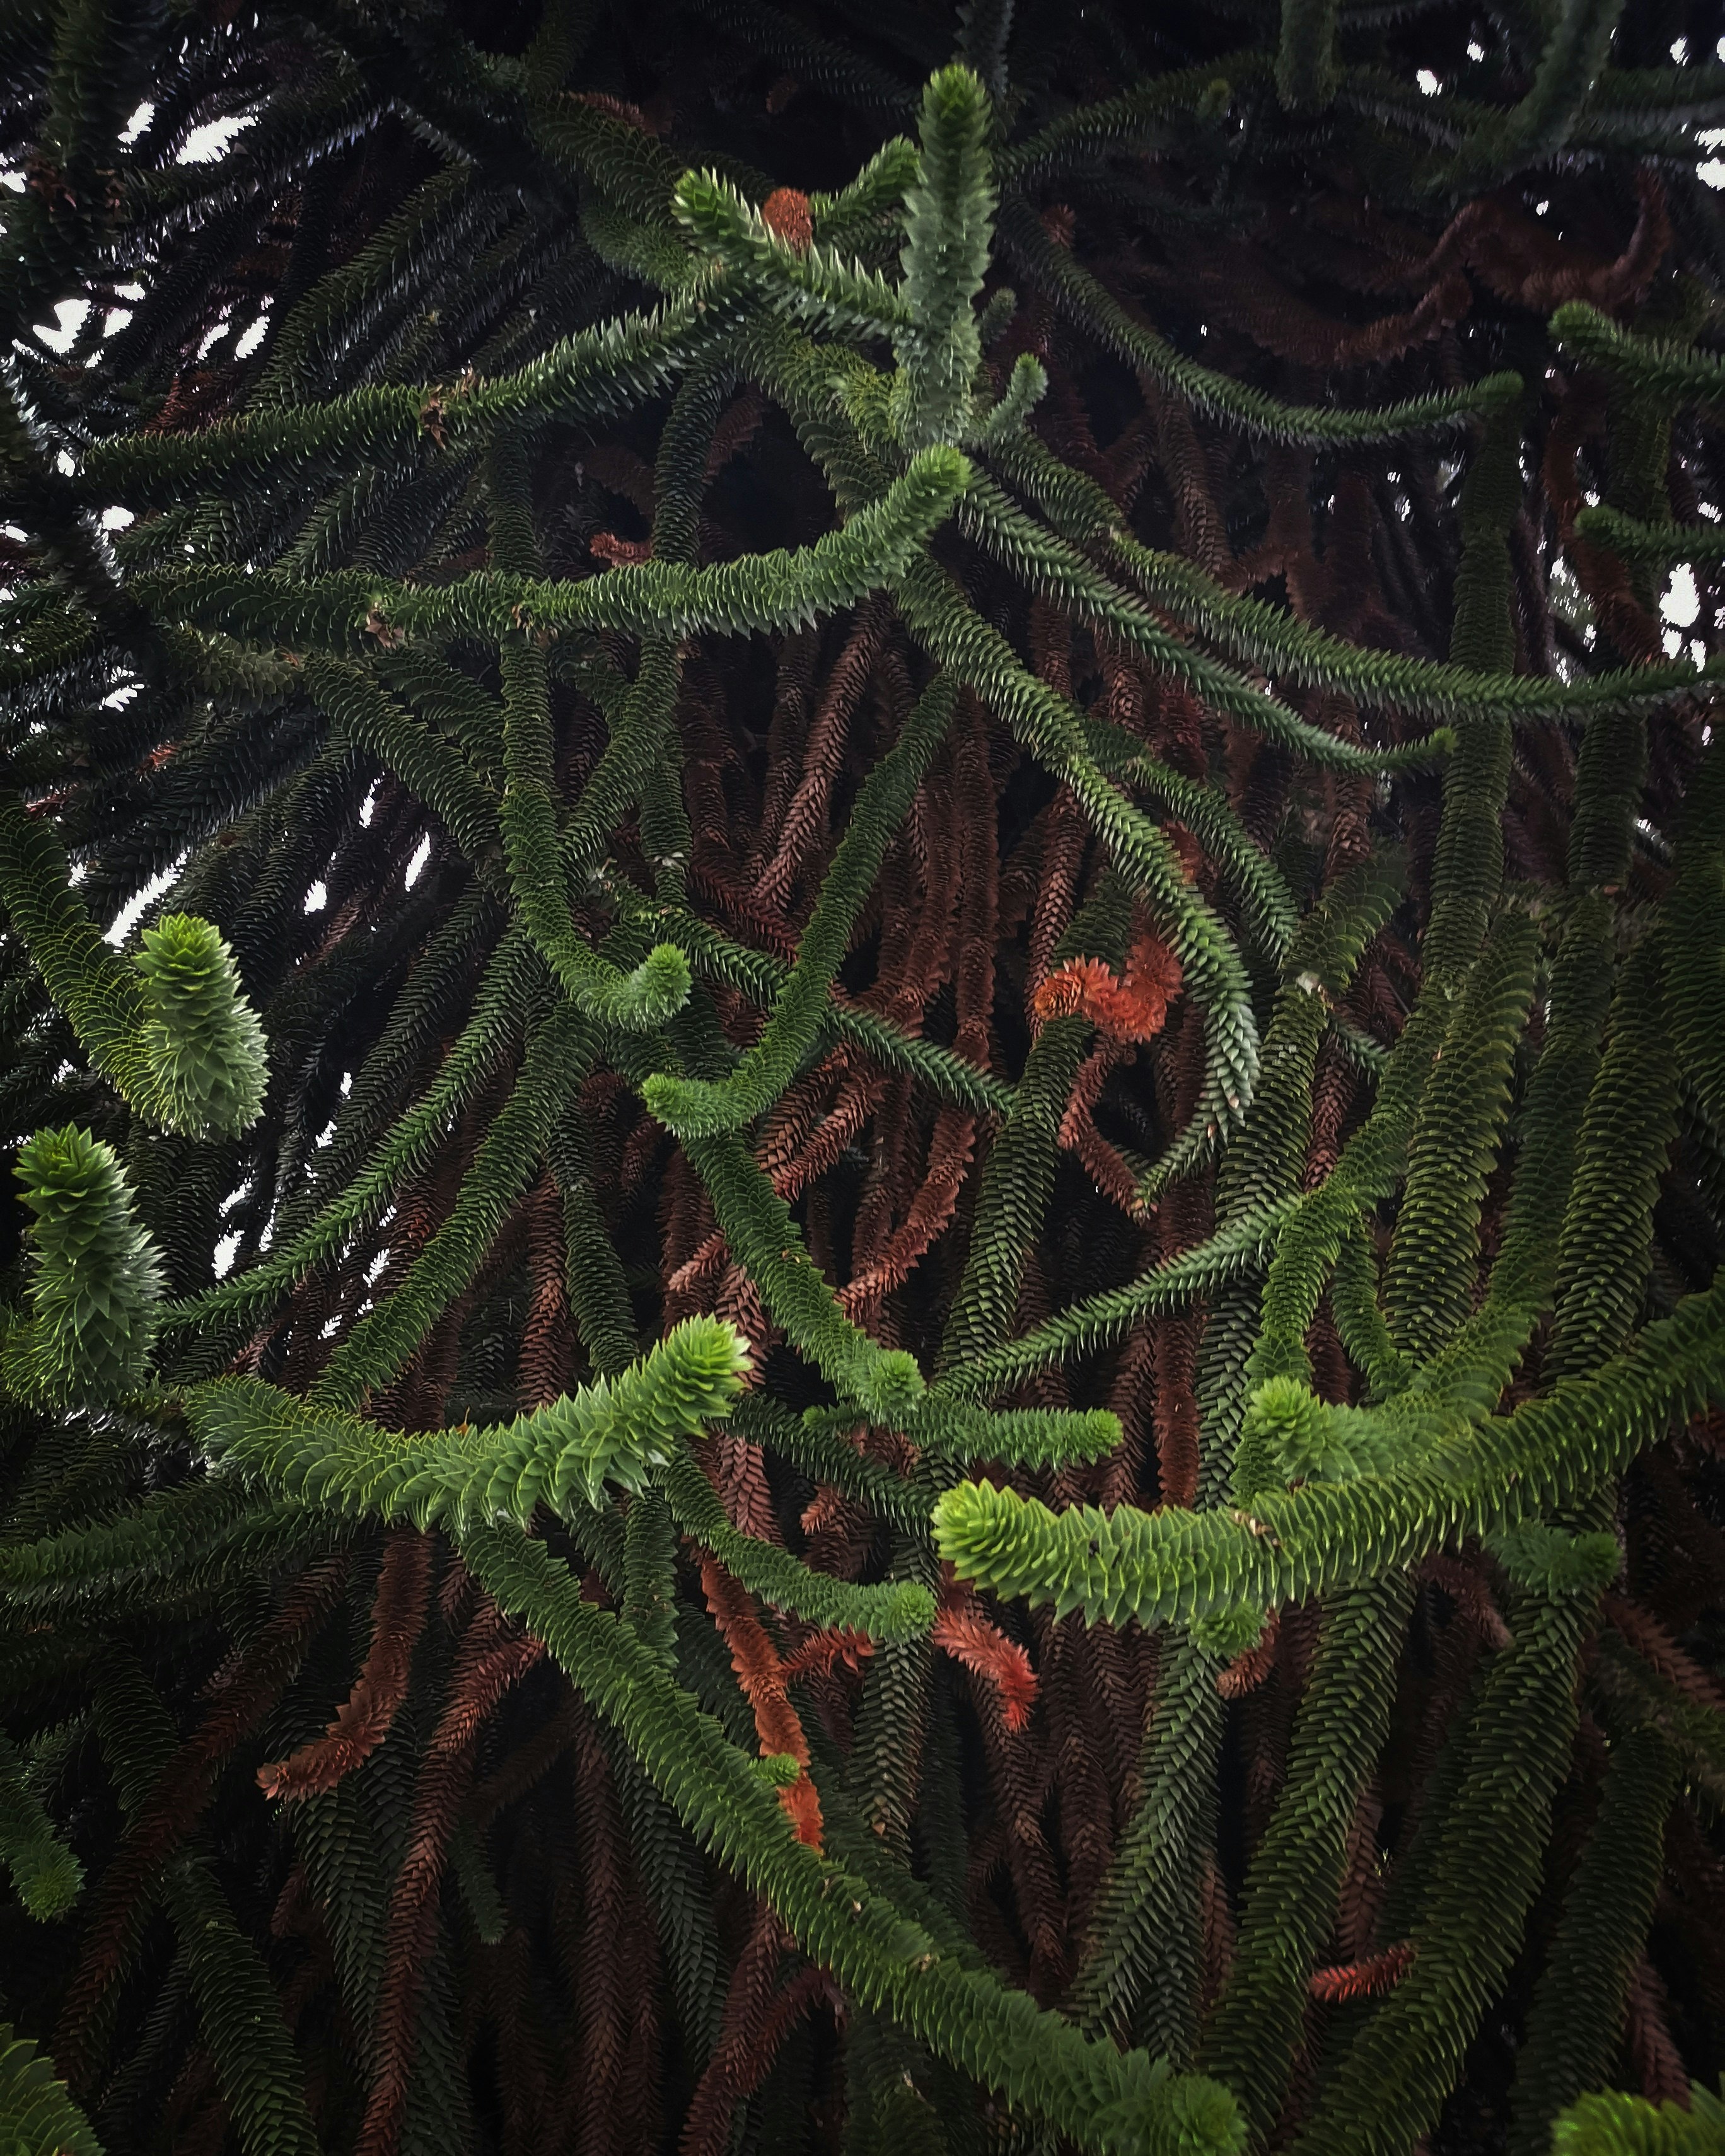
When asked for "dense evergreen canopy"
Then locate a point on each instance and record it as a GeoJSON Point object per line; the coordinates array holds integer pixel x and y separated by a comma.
{"type": "Point", "coordinates": [862, 997]}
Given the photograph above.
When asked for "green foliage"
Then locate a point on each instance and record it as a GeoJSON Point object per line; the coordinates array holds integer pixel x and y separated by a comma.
{"type": "Point", "coordinates": [37, 2117]}
{"type": "Point", "coordinates": [1459, 1478]}
{"type": "Point", "coordinates": [1296, 1870]}
{"type": "Point", "coordinates": [1047, 563]}
{"type": "Point", "coordinates": [819, 287]}
{"type": "Point", "coordinates": [95, 1277]}
{"type": "Point", "coordinates": [1605, 1249]}
{"type": "Point", "coordinates": [1695, 927]}
{"type": "Point", "coordinates": [1305, 73]}
{"type": "Point", "coordinates": [1573, 2028]}
{"type": "Point", "coordinates": [176, 1037]}
{"type": "Point", "coordinates": [1429, 1282]}
{"type": "Point", "coordinates": [1251, 631]}
{"type": "Point", "coordinates": [676, 695]}
{"type": "Point", "coordinates": [258, 2073]}
{"type": "Point", "coordinates": [202, 1042]}
{"type": "Point", "coordinates": [1488, 1856]}
{"type": "Point", "coordinates": [1650, 366]}
{"type": "Point", "coordinates": [1614, 2125]}
{"type": "Point", "coordinates": [1288, 1435]}
{"type": "Point", "coordinates": [1024, 1437]}
{"type": "Point", "coordinates": [616, 1431]}
{"type": "Point", "coordinates": [948, 212]}
{"type": "Point", "coordinates": [167, 1540]}
{"type": "Point", "coordinates": [1146, 1944]}
{"type": "Point", "coordinates": [1533, 130]}
{"type": "Point", "coordinates": [85, 978]}
{"type": "Point", "coordinates": [695, 1109]}
{"type": "Point", "coordinates": [1082, 296]}
{"type": "Point", "coordinates": [1107, 2102]}
{"type": "Point", "coordinates": [46, 1875]}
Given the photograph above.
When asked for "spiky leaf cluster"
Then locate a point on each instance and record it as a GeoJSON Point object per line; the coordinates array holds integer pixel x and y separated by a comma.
{"type": "Point", "coordinates": [95, 1277]}
{"type": "Point", "coordinates": [622, 1431]}
{"type": "Point", "coordinates": [203, 1044]}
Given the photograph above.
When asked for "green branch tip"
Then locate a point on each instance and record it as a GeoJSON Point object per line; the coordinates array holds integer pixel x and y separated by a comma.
{"type": "Point", "coordinates": [949, 216]}
{"type": "Point", "coordinates": [1611, 2124]}
{"type": "Point", "coordinates": [1553, 1563]}
{"type": "Point", "coordinates": [1631, 540]}
{"type": "Point", "coordinates": [203, 1046]}
{"type": "Point", "coordinates": [656, 990]}
{"type": "Point", "coordinates": [618, 1433]}
{"type": "Point", "coordinates": [1288, 1435]}
{"type": "Point", "coordinates": [891, 1386]}
{"type": "Point", "coordinates": [1228, 1634]}
{"type": "Point", "coordinates": [1652, 366]}
{"type": "Point", "coordinates": [96, 1278]}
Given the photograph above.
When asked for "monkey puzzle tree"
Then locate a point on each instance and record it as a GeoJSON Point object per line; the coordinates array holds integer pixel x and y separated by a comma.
{"type": "Point", "coordinates": [864, 1001]}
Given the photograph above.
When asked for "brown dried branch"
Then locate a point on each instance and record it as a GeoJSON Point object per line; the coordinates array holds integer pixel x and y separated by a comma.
{"type": "Point", "coordinates": [363, 1719]}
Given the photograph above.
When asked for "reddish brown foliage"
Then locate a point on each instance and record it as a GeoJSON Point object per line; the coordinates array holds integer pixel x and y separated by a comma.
{"type": "Point", "coordinates": [762, 1676]}
{"type": "Point", "coordinates": [786, 215]}
{"type": "Point", "coordinates": [1131, 1007]}
{"type": "Point", "coordinates": [363, 1719]}
{"type": "Point", "coordinates": [1361, 1979]}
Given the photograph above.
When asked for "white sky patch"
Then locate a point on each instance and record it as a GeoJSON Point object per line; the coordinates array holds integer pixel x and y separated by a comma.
{"type": "Point", "coordinates": [1428, 84]}
{"type": "Point", "coordinates": [1680, 50]}
{"type": "Point", "coordinates": [1681, 602]}
{"type": "Point", "coordinates": [226, 1250]}
{"type": "Point", "coordinates": [1476, 50]}
{"type": "Point", "coordinates": [422, 853]}
{"type": "Point", "coordinates": [69, 318]}
{"type": "Point", "coordinates": [366, 808]}
{"type": "Point", "coordinates": [317, 898]}
{"type": "Point", "coordinates": [139, 122]}
{"type": "Point", "coordinates": [1712, 174]}
{"type": "Point", "coordinates": [132, 912]}
{"type": "Point", "coordinates": [116, 518]}
{"type": "Point", "coordinates": [252, 338]}
{"type": "Point", "coordinates": [208, 144]}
